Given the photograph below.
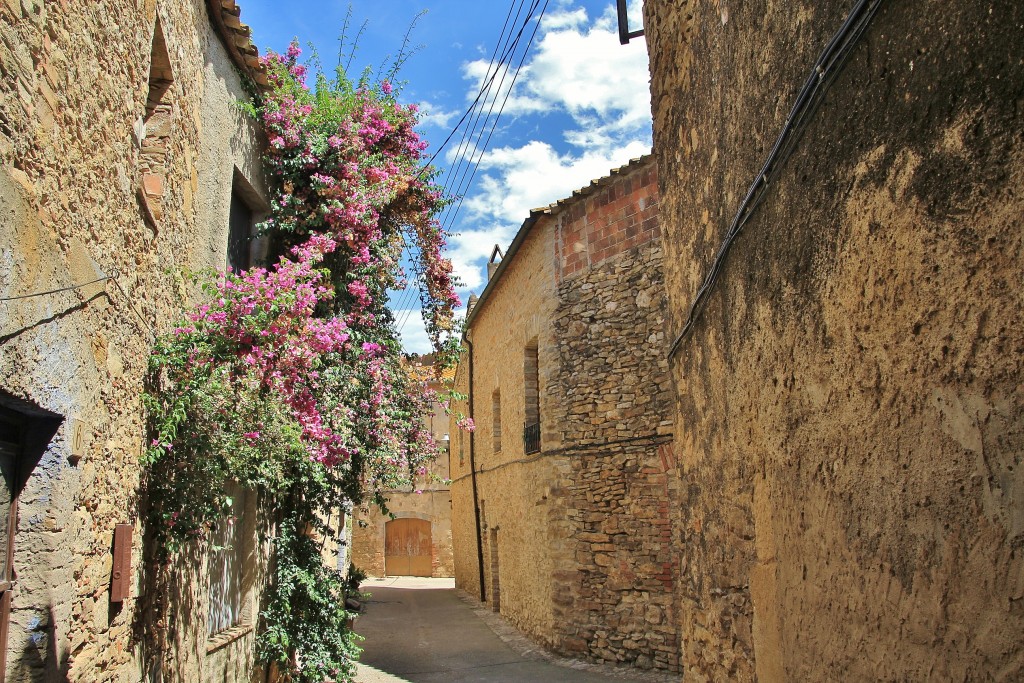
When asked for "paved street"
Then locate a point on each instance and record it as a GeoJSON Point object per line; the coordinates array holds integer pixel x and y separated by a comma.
{"type": "Point", "coordinates": [421, 630]}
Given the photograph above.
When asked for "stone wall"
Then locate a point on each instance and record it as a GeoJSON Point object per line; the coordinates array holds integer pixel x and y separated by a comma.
{"type": "Point", "coordinates": [849, 407]}
{"type": "Point", "coordinates": [586, 523]}
{"type": "Point", "coordinates": [613, 379]}
{"type": "Point", "coordinates": [612, 406]}
{"type": "Point", "coordinates": [76, 206]}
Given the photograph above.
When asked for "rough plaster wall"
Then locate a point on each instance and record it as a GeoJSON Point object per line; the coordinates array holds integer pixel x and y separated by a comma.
{"type": "Point", "coordinates": [513, 493]}
{"type": "Point", "coordinates": [849, 407]}
{"type": "Point", "coordinates": [230, 140]}
{"type": "Point", "coordinates": [75, 83]}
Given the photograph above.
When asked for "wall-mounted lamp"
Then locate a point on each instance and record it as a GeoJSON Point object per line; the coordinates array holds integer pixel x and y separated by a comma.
{"type": "Point", "coordinates": [447, 441]}
{"type": "Point", "coordinates": [624, 33]}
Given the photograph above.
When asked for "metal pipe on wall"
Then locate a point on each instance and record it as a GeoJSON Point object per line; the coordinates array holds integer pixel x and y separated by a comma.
{"type": "Point", "coordinates": [472, 471]}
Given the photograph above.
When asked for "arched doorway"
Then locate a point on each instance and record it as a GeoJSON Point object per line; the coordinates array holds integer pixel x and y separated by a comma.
{"type": "Point", "coordinates": [407, 547]}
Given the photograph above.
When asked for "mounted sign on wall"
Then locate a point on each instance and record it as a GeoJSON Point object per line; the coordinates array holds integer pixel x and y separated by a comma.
{"type": "Point", "coordinates": [78, 439]}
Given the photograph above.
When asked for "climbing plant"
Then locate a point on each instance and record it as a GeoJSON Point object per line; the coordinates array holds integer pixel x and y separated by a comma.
{"type": "Point", "coordinates": [288, 379]}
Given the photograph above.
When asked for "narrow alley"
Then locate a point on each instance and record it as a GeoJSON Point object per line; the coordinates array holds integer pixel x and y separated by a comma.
{"type": "Point", "coordinates": [424, 630]}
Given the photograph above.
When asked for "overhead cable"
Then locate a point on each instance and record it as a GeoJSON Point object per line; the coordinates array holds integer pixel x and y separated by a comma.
{"type": "Point", "coordinates": [475, 165]}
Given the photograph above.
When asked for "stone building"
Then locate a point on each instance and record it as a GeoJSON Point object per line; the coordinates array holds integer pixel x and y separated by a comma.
{"type": "Point", "coordinates": [123, 158]}
{"type": "Point", "coordinates": [415, 539]}
{"type": "Point", "coordinates": [848, 407]}
{"type": "Point", "coordinates": [562, 495]}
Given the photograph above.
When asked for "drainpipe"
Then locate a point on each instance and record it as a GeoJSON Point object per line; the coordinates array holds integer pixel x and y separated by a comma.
{"type": "Point", "coordinates": [472, 470]}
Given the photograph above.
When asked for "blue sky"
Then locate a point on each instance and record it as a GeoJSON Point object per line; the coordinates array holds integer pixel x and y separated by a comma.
{"type": "Point", "coordinates": [580, 105]}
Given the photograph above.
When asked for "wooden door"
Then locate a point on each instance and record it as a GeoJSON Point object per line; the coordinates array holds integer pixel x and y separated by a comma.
{"type": "Point", "coordinates": [407, 547]}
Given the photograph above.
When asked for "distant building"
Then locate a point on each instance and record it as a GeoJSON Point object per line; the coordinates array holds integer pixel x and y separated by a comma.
{"type": "Point", "coordinates": [415, 539]}
{"type": "Point", "coordinates": [561, 496]}
{"type": "Point", "coordinates": [123, 158]}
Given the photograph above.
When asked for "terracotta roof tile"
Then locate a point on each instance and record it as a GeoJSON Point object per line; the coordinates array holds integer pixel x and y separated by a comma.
{"type": "Point", "coordinates": [237, 37]}
{"type": "Point", "coordinates": [594, 186]}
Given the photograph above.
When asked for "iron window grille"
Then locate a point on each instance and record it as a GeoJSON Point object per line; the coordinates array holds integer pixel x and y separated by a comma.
{"type": "Point", "coordinates": [531, 438]}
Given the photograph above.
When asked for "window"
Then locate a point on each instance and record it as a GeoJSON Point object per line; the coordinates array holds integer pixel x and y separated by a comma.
{"type": "Point", "coordinates": [230, 564]}
{"type": "Point", "coordinates": [239, 233]}
{"type": "Point", "coordinates": [531, 391]}
{"type": "Point", "coordinates": [496, 420]}
{"type": "Point", "coordinates": [245, 250]}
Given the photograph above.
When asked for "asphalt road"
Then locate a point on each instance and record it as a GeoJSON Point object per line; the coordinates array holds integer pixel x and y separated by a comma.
{"type": "Point", "coordinates": [421, 631]}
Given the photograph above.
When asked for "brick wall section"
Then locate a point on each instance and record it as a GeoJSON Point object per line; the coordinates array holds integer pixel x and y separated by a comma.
{"type": "Point", "coordinates": [620, 215]}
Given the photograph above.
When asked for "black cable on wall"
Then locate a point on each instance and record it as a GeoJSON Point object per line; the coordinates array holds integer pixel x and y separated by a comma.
{"type": "Point", "coordinates": [824, 72]}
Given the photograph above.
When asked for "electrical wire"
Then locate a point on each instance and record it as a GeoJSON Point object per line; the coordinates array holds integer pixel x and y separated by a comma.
{"type": "Point", "coordinates": [476, 158]}
{"type": "Point", "coordinates": [461, 172]}
{"type": "Point", "coordinates": [476, 166]}
{"type": "Point", "coordinates": [821, 77]}
{"type": "Point", "coordinates": [484, 88]}
{"type": "Point", "coordinates": [476, 120]}
{"type": "Point", "coordinates": [485, 84]}
{"type": "Point", "coordinates": [404, 302]}
{"type": "Point", "coordinates": [146, 325]}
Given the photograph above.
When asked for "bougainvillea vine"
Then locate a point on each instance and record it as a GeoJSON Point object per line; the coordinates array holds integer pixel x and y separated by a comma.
{"type": "Point", "coordinates": [288, 380]}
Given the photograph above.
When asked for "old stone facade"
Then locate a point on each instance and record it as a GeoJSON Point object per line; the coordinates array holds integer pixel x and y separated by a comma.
{"type": "Point", "coordinates": [563, 491]}
{"type": "Point", "coordinates": [382, 545]}
{"type": "Point", "coordinates": [123, 158]}
{"type": "Point", "coordinates": [848, 411]}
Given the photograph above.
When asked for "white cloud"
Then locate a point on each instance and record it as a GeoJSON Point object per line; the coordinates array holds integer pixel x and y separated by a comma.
{"type": "Point", "coordinates": [434, 115]}
{"type": "Point", "coordinates": [578, 68]}
{"type": "Point", "coordinates": [411, 330]}
{"type": "Point", "coordinates": [565, 18]}
{"type": "Point", "coordinates": [515, 180]}
{"type": "Point", "coordinates": [497, 79]}
{"type": "Point", "coordinates": [468, 249]}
